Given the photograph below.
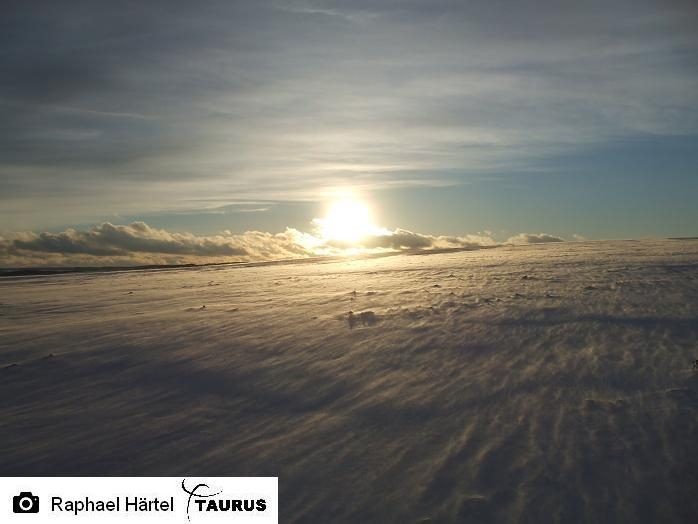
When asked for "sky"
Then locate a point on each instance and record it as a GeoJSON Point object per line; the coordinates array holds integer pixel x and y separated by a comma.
{"type": "Point", "coordinates": [215, 119]}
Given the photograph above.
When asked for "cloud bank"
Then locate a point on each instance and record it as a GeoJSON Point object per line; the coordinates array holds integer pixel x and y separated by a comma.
{"type": "Point", "coordinates": [140, 244]}
{"type": "Point", "coordinates": [533, 238]}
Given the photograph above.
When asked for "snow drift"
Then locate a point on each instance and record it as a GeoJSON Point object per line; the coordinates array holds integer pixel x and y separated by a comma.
{"type": "Point", "coordinates": [533, 383]}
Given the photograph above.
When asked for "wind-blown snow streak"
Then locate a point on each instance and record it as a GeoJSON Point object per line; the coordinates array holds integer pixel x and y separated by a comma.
{"type": "Point", "coordinates": [534, 383]}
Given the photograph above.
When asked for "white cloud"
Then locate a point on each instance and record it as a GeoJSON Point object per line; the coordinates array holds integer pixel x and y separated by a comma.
{"type": "Point", "coordinates": [533, 238]}
{"type": "Point", "coordinates": [138, 243]}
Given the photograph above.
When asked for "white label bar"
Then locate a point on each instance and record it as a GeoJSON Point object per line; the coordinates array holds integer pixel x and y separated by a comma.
{"type": "Point", "coordinates": [106, 500]}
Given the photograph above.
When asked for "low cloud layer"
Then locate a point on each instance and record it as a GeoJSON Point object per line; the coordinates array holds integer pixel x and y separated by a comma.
{"type": "Point", "coordinates": [402, 239]}
{"type": "Point", "coordinates": [140, 244]}
{"type": "Point", "coordinates": [533, 238]}
{"type": "Point", "coordinates": [110, 240]}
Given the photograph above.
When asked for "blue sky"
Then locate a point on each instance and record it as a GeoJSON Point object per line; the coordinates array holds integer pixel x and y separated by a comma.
{"type": "Point", "coordinates": [448, 117]}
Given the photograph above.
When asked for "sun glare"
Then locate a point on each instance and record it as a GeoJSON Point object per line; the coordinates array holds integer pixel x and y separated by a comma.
{"type": "Point", "coordinates": [346, 221]}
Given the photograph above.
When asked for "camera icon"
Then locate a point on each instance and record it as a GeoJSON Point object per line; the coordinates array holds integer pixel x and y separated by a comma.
{"type": "Point", "coordinates": [25, 502]}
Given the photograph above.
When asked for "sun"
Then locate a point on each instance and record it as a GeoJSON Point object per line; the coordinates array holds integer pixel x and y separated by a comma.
{"type": "Point", "coordinates": [347, 221]}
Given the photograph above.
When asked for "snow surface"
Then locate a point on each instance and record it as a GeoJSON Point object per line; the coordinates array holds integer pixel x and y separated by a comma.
{"type": "Point", "coordinates": [546, 383]}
